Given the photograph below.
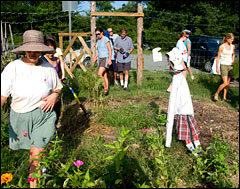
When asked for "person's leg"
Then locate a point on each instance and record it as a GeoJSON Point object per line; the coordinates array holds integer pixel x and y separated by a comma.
{"type": "Point", "coordinates": [34, 154]}
{"type": "Point", "coordinates": [101, 73]}
{"type": "Point", "coordinates": [190, 72]}
{"type": "Point", "coordinates": [105, 76]}
{"type": "Point", "coordinates": [126, 78]}
{"type": "Point", "coordinates": [221, 87]}
{"type": "Point", "coordinates": [115, 78]}
{"type": "Point", "coordinates": [121, 78]}
{"type": "Point", "coordinates": [185, 73]}
{"type": "Point", "coordinates": [169, 88]}
{"type": "Point", "coordinates": [225, 90]}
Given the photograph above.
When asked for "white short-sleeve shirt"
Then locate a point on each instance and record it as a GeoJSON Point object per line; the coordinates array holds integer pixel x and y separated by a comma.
{"type": "Point", "coordinates": [27, 84]}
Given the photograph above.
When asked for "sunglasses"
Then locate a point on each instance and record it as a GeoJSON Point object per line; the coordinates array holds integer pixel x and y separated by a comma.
{"type": "Point", "coordinates": [97, 34]}
{"type": "Point", "coordinates": [186, 36]}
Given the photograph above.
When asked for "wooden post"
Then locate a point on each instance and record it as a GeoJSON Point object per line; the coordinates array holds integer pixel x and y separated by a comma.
{"type": "Point", "coordinates": [61, 42]}
{"type": "Point", "coordinates": [139, 48]}
{"type": "Point", "coordinates": [2, 39]}
{"type": "Point", "coordinates": [10, 30]}
{"type": "Point", "coordinates": [93, 27]}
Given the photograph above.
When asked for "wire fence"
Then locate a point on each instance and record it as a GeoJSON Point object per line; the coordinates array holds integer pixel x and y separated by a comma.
{"type": "Point", "coordinates": [164, 17]}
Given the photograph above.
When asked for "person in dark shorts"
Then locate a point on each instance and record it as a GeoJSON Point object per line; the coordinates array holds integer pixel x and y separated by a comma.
{"type": "Point", "coordinates": [124, 47]}
{"type": "Point", "coordinates": [113, 67]}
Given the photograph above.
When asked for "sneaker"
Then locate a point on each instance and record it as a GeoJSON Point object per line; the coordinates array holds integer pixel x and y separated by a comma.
{"type": "Point", "coordinates": [106, 93]}
{"type": "Point", "coordinates": [192, 77]}
{"type": "Point", "coordinates": [126, 89]}
{"type": "Point", "coordinates": [122, 86]}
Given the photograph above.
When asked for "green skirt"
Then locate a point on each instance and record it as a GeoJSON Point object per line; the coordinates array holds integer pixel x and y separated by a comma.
{"type": "Point", "coordinates": [31, 129]}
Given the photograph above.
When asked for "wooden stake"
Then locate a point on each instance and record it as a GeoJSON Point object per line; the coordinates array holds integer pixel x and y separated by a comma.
{"type": "Point", "coordinates": [93, 27]}
{"type": "Point", "coordinates": [139, 48]}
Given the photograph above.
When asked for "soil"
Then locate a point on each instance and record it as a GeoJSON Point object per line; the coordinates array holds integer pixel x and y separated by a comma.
{"type": "Point", "coordinates": [211, 119]}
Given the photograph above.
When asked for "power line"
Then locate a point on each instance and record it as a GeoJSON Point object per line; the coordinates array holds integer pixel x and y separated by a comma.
{"type": "Point", "coordinates": [167, 20]}
{"type": "Point", "coordinates": [17, 23]}
{"type": "Point", "coordinates": [190, 16]}
{"type": "Point", "coordinates": [32, 12]}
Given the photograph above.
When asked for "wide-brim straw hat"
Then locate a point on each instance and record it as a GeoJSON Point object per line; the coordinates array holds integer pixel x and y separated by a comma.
{"type": "Point", "coordinates": [32, 41]}
{"type": "Point", "coordinates": [176, 58]}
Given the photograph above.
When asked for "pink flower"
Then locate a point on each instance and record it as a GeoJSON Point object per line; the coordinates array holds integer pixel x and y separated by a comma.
{"type": "Point", "coordinates": [31, 179]}
{"type": "Point", "coordinates": [146, 130]}
{"type": "Point", "coordinates": [25, 133]}
{"type": "Point", "coordinates": [78, 163]}
{"type": "Point", "coordinates": [100, 183]}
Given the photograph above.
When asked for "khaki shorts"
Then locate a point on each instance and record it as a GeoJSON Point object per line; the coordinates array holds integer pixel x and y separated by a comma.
{"type": "Point", "coordinates": [226, 70]}
{"type": "Point", "coordinates": [102, 62]}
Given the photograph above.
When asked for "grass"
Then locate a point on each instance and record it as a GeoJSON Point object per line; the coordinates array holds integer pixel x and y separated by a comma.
{"type": "Point", "coordinates": [145, 162]}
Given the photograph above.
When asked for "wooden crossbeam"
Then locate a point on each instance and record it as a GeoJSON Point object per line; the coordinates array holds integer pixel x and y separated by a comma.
{"type": "Point", "coordinates": [117, 14]}
{"type": "Point", "coordinates": [77, 60]}
{"type": "Point", "coordinates": [85, 46]}
{"type": "Point", "coordinates": [69, 46]}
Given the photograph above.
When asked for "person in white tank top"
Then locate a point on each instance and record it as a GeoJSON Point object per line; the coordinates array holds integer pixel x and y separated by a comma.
{"type": "Point", "coordinates": [226, 56]}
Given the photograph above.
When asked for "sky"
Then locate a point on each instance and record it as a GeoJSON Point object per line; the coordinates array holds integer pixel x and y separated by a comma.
{"type": "Point", "coordinates": [86, 5]}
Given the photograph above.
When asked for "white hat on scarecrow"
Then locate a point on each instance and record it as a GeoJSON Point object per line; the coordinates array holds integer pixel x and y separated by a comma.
{"type": "Point", "coordinates": [175, 58]}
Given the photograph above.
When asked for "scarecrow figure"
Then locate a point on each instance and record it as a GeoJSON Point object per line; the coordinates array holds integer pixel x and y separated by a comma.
{"type": "Point", "coordinates": [180, 106]}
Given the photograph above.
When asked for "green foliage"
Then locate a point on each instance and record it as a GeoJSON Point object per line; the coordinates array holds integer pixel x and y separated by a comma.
{"type": "Point", "coordinates": [213, 167]}
{"type": "Point", "coordinates": [236, 68]}
{"type": "Point", "coordinates": [119, 148]}
{"type": "Point", "coordinates": [4, 128]}
{"type": "Point", "coordinates": [128, 114]}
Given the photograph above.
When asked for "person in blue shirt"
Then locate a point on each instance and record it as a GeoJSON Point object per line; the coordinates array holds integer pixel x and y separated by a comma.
{"type": "Point", "coordinates": [188, 44]}
{"type": "Point", "coordinates": [104, 55]}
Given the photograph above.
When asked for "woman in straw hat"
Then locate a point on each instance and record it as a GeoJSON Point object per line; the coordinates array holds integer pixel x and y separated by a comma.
{"type": "Point", "coordinates": [34, 87]}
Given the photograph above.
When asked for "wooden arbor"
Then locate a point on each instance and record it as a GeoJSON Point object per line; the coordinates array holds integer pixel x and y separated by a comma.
{"type": "Point", "coordinates": [139, 14]}
{"type": "Point", "coordinates": [69, 49]}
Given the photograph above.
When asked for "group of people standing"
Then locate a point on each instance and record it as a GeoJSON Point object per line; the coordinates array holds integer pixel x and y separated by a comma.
{"type": "Point", "coordinates": [114, 54]}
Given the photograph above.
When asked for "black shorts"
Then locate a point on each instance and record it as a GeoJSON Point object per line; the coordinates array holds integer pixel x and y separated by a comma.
{"type": "Point", "coordinates": [113, 66]}
{"type": "Point", "coordinates": [123, 66]}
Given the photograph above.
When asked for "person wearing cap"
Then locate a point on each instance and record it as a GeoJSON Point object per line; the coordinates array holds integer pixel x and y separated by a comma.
{"type": "Point", "coordinates": [113, 67]}
{"type": "Point", "coordinates": [183, 36]}
{"type": "Point", "coordinates": [34, 87]}
{"type": "Point", "coordinates": [180, 106]}
{"type": "Point", "coordinates": [188, 45]}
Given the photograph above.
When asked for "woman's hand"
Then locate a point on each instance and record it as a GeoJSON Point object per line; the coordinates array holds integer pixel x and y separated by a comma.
{"type": "Point", "coordinates": [50, 101]}
{"type": "Point", "coordinates": [109, 62]}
